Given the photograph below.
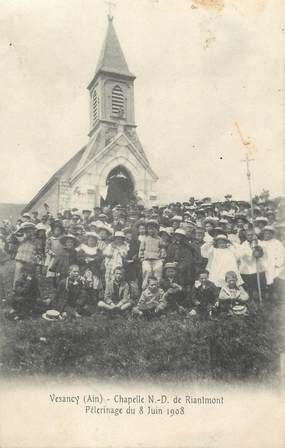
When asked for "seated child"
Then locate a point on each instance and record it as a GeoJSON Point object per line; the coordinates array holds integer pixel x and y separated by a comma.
{"type": "Point", "coordinates": [69, 298]}
{"type": "Point", "coordinates": [152, 301]}
{"type": "Point", "coordinates": [92, 291]}
{"type": "Point", "coordinates": [117, 293]}
{"type": "Point", "coordinates": [232, 298]}
{"type": "Point", "coordinates": [26, 293]}
{"type": "Point", "coordinates": [204, 295]}
{"type": "Point", "coordinates": [173, 292]}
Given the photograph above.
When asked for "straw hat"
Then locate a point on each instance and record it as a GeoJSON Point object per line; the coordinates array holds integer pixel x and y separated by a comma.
{"type": "Point", "coordinates": [172, 265]}
{"type": "Point", "coordinates": [180, 232]}
{"type": "Point", "coordinates": [71, 237]}
{"type": "Point", "coordinates": [269, 229]}
{"type": "Point", "coordinates": [27, 225]}
{"type": "Point", "coordinates": [221, 237]}
{"type": "Point", "coordinates": [52, 315]}
{"type": "Point", "coordinates": [119, 234]}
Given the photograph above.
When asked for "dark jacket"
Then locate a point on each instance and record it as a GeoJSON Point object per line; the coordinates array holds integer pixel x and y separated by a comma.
{"type": "Point", "coordinates": [175, 296]}
{"type": "Point", "coordinates": [206, 296]}
{"type": "Point", "coordinates": [117, 293]}
{"type": "Point", "coordinates": [63, 259]}
{"type": "Point", "coordinates": [26, 289]}
{"type": "Point", "coordinates": [184, 255]}
{"type": "Point", "coordinates": [131, 263]}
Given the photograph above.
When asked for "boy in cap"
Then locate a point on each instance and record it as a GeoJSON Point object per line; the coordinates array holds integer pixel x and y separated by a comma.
{"type": "Point", "coordinates": [204, 295]}
{"type": "Point", "coordinates": [173, 292]}
{"type": "Point", "coordinates": [150, 253]}
{"type": "Point", "coordinates": [152, 301]}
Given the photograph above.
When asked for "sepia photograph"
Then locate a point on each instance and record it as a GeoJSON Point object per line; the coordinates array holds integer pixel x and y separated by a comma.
{"type": "Point", "coordinates": [142, 220]}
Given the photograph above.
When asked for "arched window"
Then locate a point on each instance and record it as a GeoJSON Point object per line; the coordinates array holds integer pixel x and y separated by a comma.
{"type": "Point", "coordinates": [95, 106]}
{"type": "Point", "coordinates": [117, 101]}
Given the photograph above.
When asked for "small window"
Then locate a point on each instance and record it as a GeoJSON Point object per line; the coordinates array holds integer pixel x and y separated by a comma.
{"type": "Point", "coordinates": [117, 101]}
{"type": "Point", "coordinates": [95, 106]}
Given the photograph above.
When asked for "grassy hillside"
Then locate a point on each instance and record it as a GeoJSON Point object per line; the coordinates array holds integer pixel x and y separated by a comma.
{"type": "Point", "coordinates": [10, 211]}
{"type": "Point", "coordinates": [170, 348]}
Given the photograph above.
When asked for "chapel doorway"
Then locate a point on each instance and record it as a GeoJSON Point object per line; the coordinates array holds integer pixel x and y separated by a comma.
{"type": "Point", "coordinates": [120, 187]}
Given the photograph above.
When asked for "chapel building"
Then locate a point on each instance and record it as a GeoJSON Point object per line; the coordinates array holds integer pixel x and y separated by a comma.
{"type": "Point", "coordinates": [113, 167]}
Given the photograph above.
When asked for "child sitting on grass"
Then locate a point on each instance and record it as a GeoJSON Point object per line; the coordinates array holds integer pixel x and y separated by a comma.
{"type": "Point", "coordinates": [232, 298]}
{"type": "Point", "coordinates": [117, 294]}
{"type": "Point", "coordinates": [204, 295]}
{"type": "Point", "coordinates": [174, 293]}
{"type": "Point", "coordinates": [26, 293]}
{"type": "Point", "coordinates": [69, 297]}
{"type": "Point", "coordinates": [152, 301]}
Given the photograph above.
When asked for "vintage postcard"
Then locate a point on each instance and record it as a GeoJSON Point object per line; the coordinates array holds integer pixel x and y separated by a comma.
{"type": "Point", "coordinates": [142, 224]}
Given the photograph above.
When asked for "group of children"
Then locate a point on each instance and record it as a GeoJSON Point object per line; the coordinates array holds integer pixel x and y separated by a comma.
{"type": "Point", "coordinates": [145, 263]}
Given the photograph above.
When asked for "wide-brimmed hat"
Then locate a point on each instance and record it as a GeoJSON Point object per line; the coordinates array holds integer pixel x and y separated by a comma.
{"type": "Point", "coordinates": [269, 229]}
{"type": "Point", "coordinates": [169, 265]}
{"type": "Point", "coordinates": [261, 219]}
{"type": "Point", "coordinates": [26, 215]}
{"type": "Point", "coordinates": [41, 226]}
{"type": "Point", "coordinates": [27, 225]}
{"type": "Point", "coordinates": [52, 315]}
{"type": "Point", "coordinates": [180, 232]}
{"type": "Point", "coordinates": [63, 239]}
{"type": "Point", "coordinates": [152, 222]}
{"type": "Point", "coordinates": [239, 310]}
{"type": "Point", "coordinates": [176, 218]}
{"type": "Point", "coordinates": [221, 236]}
{"type": "Point", "coordinates": [241, 216]}
{"type": "Point", "coordinates": [101, 226]}
{"type": "Point", "coordinates": [189, 221]}
{"type": "Point", "coordinates": [166, 230]}
{"type": "Point", "coordinates": [119, 234]}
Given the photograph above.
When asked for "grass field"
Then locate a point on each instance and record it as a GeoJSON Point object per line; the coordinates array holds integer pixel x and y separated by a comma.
{"type": "Point", "coordinates": [170, 348]}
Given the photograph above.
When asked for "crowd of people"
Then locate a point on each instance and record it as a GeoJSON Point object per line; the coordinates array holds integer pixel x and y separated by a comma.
{"type": "Point", "coordinates": [201, 259]}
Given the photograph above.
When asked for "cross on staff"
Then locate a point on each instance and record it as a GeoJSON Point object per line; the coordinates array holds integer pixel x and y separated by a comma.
{"type": "Point", "coordinates": [248, 146]}
{"type": "Point", "coordinates": [111, 5]}
{"type": "Point", "coordinates": [247, 160]}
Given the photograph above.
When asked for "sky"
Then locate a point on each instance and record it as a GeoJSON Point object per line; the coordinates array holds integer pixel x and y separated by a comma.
{"type": "Point", "coordinates": [199, 69]}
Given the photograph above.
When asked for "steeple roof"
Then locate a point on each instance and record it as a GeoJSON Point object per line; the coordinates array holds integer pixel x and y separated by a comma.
{"type": "Point", "coordinates": [112, 59]}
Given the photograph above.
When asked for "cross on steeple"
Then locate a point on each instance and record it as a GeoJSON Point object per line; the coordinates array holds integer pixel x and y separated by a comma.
{"type": "Point", "coordinates": [111, 5]}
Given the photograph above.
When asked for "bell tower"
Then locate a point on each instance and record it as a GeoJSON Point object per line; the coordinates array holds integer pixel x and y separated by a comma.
{"type": "Point", "coordinates": [112, 88]}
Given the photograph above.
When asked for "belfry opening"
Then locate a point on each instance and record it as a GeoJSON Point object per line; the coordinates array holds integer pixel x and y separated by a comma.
{"type": "Point", "coordinates": [120, 187]}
